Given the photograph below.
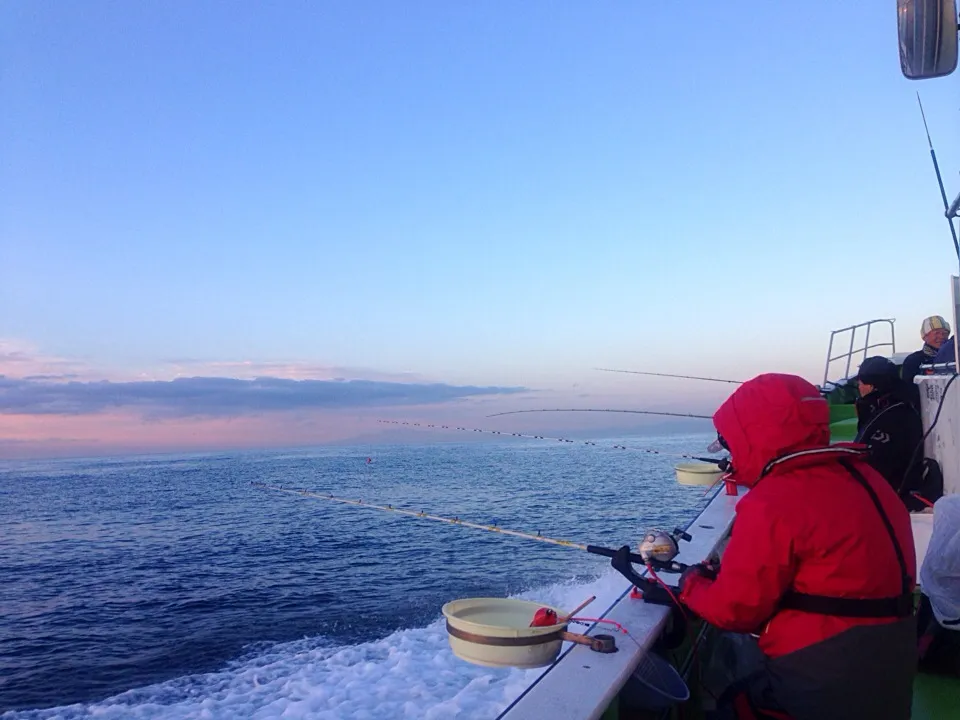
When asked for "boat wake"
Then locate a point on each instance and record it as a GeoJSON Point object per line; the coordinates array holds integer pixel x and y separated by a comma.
{"type": "Point", "coordinates": [411, 673]}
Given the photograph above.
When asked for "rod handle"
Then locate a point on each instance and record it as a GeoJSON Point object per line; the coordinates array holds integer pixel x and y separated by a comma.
{"type": "Point", "coordinates": [609, 552]}
{"type": "Point", "coordinates": [597, 643]}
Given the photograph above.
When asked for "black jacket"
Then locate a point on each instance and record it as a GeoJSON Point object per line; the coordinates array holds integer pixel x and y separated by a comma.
{"type": "Point", "coordinates": [925, 356]}
{"type": "Point", "coordinates": [911, 365]}
{"type": "Point", "coordinates": [889, 424]}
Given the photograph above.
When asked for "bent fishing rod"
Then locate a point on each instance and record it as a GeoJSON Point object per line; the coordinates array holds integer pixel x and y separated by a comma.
{"type": "Point", "coordinates": [950, 211]}
{"type": "Point", "coordinates": [671, 375]}
{"type": "Point", "coordinates": [604, 410]}
{"type": "Point", "coordinates": [657, 550]}
{"type": "Point", "coordinates": [434, 426]}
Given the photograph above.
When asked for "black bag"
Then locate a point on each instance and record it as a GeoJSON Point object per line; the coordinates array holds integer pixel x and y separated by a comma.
{"type": "Point", "coordinates": [938, 648]}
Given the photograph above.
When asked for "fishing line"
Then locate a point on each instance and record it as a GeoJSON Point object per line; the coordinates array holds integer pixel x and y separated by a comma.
{"type": "Point", "coordinates": [433, 426]}
{"type": "Point", "coordinates": [671, 375]}
{"type": "Point", "coordinates": [654, 544]}
{"type": "Point", "coordinates": [423, 515]}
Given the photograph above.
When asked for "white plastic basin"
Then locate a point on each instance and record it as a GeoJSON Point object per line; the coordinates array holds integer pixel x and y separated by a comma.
{"type": "Point", "coordinates": [502, 620]}
{"type": "Point", "coordinates": [698, 473]}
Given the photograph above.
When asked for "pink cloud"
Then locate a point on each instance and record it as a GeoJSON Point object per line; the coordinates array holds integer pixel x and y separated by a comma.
{"type": "Point", "coordinates": [124, 429]}
{"type": "Point", "coordinates": [286, 369]}
{"type": "Point", "coordinates": [113, 432]}
{"type": "Point", "coordinates": [28, 428]}
{"type": "Point", "coordinates": [20, 359]}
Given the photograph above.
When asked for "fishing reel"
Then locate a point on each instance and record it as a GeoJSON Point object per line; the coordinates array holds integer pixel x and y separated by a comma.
{"type": "Point", "coordinates": [658, 549]}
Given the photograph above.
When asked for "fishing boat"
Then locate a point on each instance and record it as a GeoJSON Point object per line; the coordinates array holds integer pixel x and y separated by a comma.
{"type": "Point", "coordinates": [583, 684]}
{"type": "Point", "coordinates": [657, 672]}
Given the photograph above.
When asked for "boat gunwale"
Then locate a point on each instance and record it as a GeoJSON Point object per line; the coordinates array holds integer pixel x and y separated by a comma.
{"type": "Point", "coordinates": [562, 690]}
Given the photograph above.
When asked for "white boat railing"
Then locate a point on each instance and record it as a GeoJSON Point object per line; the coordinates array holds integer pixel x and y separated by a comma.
{"type": "Point", "coordinates": [855, 348]}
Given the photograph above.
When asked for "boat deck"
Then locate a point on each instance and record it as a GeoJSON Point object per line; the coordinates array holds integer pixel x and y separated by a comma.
{"type": "Point", "coordinates": [936, 698]}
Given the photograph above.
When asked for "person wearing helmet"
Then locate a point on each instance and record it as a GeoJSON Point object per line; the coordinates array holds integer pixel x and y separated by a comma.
{"type": "Point", "coordinates": [820, 565]}
{"type": "Point", "coordinates": [934, 331]}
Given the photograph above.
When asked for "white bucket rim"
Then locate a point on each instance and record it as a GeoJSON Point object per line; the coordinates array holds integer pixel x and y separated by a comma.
{"type": "Point", "coordinates": [449, 612]}
{"type": "Point", "coordinates": [704, 468]}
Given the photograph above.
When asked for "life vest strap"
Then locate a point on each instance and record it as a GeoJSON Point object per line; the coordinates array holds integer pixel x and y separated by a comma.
{"type": "Point", "coordinates": [899, 606]}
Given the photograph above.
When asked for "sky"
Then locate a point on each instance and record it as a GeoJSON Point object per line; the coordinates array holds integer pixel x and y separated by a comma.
{"type": "Point", "coordinates": [435, 210]}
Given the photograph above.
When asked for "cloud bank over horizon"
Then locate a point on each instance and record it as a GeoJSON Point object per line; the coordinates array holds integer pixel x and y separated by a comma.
{"type": "Point", "coordinates": [55, 406]}
{"type": "Point", "coordinates": [219, 397]}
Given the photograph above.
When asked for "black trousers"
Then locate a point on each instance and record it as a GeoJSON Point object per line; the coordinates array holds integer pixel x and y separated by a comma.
{"type": "Point", "coordinates": [866, 672]}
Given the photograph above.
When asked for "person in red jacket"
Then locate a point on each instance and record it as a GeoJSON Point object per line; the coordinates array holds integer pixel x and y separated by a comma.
{"type": "Point", "coordinates": [820, 565]}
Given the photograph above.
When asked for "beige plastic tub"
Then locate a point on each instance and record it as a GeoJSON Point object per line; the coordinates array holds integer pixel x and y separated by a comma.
{"type": "Point", "coordinates": [698, 473]}
{"type": "Point", "coordinates": [496, 632]}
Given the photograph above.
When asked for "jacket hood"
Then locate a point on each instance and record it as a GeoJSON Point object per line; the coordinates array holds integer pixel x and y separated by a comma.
{"type": "Point", "coordinates": [769, 416]}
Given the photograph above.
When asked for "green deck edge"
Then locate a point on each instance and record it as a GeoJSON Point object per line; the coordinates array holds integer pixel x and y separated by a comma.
{"type": "Point", "coordinates": [843, 430]}
{"type": "Point", "coordinates": [936, 698]}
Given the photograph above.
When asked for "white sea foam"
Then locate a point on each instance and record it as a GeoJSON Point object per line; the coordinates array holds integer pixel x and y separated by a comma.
{"type": "Point", "coordinates": [409, 674]}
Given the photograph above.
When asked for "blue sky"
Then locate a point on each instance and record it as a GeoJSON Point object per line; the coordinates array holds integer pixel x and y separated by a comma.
{"type": "Point", "coordinates": [503, 194]}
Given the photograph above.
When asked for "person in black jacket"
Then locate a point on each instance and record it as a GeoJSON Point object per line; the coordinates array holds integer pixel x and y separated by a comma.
{"type": "Point", "coordinates": [935, 331]}
{"type": "Point", "coordinates": [889, 424]}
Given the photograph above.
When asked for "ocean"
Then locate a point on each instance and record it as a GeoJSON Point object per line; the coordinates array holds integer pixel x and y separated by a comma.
{"type": "Point", "coordinates": [170, 587]}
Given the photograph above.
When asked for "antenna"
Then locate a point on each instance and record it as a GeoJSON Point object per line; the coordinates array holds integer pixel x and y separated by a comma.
{"type": "Point", "coordinates": [949, 211]}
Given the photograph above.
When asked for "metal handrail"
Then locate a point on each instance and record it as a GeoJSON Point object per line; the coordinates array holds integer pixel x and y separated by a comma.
{"type": "Point", "coordinates": [852, 329]}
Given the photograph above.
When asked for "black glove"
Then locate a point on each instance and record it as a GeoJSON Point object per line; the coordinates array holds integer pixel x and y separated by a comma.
{"type": "Point", "coordinates": [701, 569]}
{"type": "Point", "coordinates": [655, 594]}
{"type": "Point", "coordinates": [621, 560]}
{"type": "Point", "coordinates": [652, 592]}
{"type": "Point", "coordinates": [621, 563]}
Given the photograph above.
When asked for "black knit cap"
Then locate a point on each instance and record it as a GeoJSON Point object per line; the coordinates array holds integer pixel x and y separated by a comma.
{"type": "Point", "coordinates": [879, 372]}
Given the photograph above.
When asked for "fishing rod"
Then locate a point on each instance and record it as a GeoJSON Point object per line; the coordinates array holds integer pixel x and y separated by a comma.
{"type": "Point", "coordinates": [671, 375]}
{"type": "Point", "coordinates": [596, 410]}
{"type": "Point", "coordinates": [657, 550]}
{"type": "Point", "coordinates": [715, 461]}
{"type": "Point", "coordinates": [950, 211]}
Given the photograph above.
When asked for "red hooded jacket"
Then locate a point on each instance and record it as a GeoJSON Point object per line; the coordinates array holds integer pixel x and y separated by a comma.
{"type": "Point", "coordinates": [809, 526]}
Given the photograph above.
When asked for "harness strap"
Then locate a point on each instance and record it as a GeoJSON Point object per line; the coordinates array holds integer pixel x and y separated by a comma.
{"type": "Point", "coordinates": [898, 606]}
{"type": "Point", "coordinates": [858, 476]}
{"type": "Point", "coordinates": [827, 453]}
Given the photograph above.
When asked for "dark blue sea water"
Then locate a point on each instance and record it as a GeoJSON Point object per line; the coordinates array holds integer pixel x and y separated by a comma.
{"type": "Point", "coordinates": [169, 587]}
